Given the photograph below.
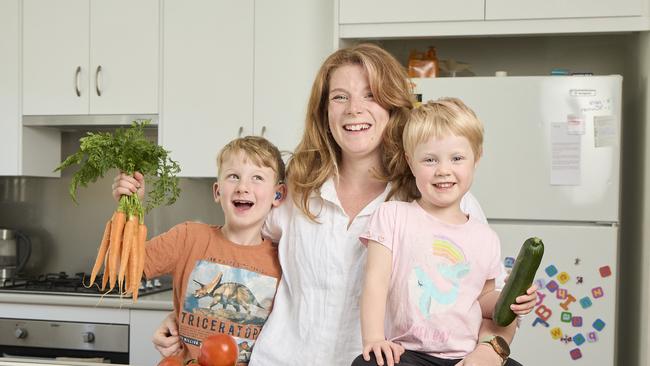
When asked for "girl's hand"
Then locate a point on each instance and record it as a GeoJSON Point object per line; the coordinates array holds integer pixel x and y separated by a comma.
{"type": "Point", "coordinates": [391, 350]}
{"type": "Point", "coordinates": [526, 302]}
{"type": "Point", "coordinates": [124, 184]}
{"type": "Point", "coordinates": [482, 355]}
{"type": "Point", "coordinates": [166, 339]}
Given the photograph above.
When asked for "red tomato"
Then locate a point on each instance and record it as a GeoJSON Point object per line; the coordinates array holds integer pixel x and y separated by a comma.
{"type": "Point", "coordinates": [218, 350]}
{"type": "Point", "coordinates": [172, 361]}
{"type": "Point", "coordinates": [193, 362]}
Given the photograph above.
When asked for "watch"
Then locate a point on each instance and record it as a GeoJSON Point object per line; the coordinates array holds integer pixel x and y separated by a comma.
{"type": "Point", "coordinates": [499, 345]}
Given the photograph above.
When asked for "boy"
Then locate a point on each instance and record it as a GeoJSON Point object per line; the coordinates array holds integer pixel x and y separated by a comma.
{"type": "Point", "coordinates": [431, 268]}
{"type": "Point", "coordinates": [225, 277]}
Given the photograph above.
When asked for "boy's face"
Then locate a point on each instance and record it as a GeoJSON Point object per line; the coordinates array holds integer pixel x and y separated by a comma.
{"type": "Point", "coordinates": [246, 192]}
{"type": "Point", "coordinates": [444, 170]}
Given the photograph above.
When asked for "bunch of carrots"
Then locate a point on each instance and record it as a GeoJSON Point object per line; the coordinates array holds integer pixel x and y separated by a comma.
{"type": "Point", "coordinates": [122, 248]}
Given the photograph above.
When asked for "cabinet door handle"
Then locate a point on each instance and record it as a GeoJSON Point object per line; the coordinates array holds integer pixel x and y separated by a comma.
{"type": "Point", "coordinates": [76, 81]}
{"type": "Point", "coordinates": [98, 86]}
{"type": "Point", "coordinates": [241, 130]}
{"type": "Point", "coordinates": [263, 131]}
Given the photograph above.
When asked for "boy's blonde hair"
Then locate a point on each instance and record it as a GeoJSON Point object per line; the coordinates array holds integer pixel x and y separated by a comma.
{"type": "Point", "coordinates": [318, 156]}
{"type": "Point", "coordinates": [259, 150]}
{"type": "Point", "coordinates": [435, 119]}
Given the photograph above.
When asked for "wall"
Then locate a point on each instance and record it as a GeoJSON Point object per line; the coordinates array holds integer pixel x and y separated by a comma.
{"type": "Point", "coordinates": [66, 236]}
{"type": "Point", "coordinates": [644, 99]}
{"type": "Point", "coordinates": [632, 247]}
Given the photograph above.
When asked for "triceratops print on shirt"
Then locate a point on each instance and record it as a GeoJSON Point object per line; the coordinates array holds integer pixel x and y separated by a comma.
{"type": "Point", "coordinates": [224, 299]}
{"type": "Point", "coordinates": [434, 281]}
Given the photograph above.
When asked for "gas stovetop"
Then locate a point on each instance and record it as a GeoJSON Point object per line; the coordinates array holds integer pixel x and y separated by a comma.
{"type": "Point", "coordinates": [63, 284]}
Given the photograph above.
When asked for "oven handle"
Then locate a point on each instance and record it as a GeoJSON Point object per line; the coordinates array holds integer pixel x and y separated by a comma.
{"type": "Point", "coordinates": [20, 353]}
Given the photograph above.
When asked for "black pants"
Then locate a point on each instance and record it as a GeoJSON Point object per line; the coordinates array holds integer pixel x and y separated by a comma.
{"type": "Point", "coordinates": [412, 358]}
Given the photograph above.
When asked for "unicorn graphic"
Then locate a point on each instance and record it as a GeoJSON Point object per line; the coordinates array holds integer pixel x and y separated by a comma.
{"type": "Point", "coordinates": [437, 285]}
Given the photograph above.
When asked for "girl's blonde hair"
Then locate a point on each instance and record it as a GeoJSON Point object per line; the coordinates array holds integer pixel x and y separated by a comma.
{"type": "Point", "coordinates": [435, 119]}
{"type": "Point", "coordinates": [259, 150]}
{"type": "Point", "coordinates": [318, 156]}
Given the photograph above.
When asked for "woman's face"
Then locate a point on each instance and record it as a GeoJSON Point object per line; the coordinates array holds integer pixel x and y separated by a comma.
{"type": "Point", "coordinates": [356, 120]}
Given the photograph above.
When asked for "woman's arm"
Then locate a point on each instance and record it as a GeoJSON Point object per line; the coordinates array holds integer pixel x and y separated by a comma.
{"type": "Point", "coordinates": [373, 305]}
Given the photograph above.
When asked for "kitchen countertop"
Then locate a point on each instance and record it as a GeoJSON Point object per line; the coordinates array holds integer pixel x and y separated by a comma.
{"type": "Point", "coordinates": [16, 361]}
{"type": "Point", "coordinates": [158, 301]}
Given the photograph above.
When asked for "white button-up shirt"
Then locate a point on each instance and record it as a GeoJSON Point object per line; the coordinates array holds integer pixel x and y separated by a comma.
{"type": "Point", "coordinates": [315, 318]}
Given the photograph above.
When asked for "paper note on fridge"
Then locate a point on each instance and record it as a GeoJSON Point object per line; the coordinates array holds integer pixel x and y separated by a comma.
{"type": "Point", "coordinates": [605, 131]}
{"type": "Point", "coordinates": [565, 156]}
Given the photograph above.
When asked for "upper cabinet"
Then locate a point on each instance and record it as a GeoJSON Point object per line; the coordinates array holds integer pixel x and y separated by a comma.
{"type": "Point", "coordinates": [383, 19]}
{"type": "Point", "coordinates": [9, 85]}
{"type": "Point", "coordinates": [549, 9]}
{"type": "Point", "coordinates": [237, 68]}
{"type": "Point", "coordinates": [292, 39]}
{"type": "Point", "coordinates": [24, 150]}
{"type": "Point", "coordinates": [390, 11]}
{"type": "Point", "coordinates": [90, 57]}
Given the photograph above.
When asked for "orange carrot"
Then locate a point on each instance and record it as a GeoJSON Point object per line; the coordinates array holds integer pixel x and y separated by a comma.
{"type": "Point", "coordinates": [101, 252]}
{"type": "Point", "coordinates": [132, 262]}
{"type": "Point", "coordinates": [106, 269]}
{"type": "Point", "coordinates": [139, 259]}
{"type": "Point", "coordinates": [130, 230]}
{"type": "Point", "coordinates": [115, 246]}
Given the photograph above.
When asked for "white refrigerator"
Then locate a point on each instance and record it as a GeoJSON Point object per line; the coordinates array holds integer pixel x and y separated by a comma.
{"type": "Point", "coordinates": [551, 169]}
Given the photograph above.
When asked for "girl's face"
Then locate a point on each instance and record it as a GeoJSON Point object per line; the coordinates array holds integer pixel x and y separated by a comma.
{"type": "Point", "coordinates": [356, 120]}
{"type": "Point", "coordinates": [444, 170]}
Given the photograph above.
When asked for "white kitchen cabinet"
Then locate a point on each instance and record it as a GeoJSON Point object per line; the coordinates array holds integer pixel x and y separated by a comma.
{"type": "Point", "coordinates": [90, 57]}
{"type": "Point", "coordinates": [553, 9]}
{"type": "Point", "coordinates": [207, 92]}
{"type": "Point", "coordinates": [236, 68]}
{"type": "Point", "coordinates": [292, 39]}
{"type": "Point", "coordinates": [142, 324]}
{"type": "Point", "coordinates": [19, 155]}
{"type": "Point", "coordinates": [390, 11]}
{"type": "Point", "coordinates": [383, 19]}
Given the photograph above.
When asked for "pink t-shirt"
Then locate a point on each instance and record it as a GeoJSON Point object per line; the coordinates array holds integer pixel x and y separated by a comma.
{"type": "Point", "coordinates": [438, 273]}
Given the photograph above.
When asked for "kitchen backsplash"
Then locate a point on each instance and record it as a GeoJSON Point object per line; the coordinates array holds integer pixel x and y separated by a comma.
{"type": "Point", "coordinates": [65, 236]}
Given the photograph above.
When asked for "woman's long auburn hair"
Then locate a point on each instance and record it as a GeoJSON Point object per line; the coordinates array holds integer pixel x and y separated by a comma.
{"type": "Point", "coordinates": [318, 156]}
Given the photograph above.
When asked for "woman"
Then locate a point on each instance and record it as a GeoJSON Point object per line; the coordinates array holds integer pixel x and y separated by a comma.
{"type": "Point", "coordinates": [337, 176]}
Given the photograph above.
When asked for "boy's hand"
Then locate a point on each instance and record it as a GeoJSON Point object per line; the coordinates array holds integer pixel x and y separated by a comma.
{"type": "Point", "coordinates": [166, 339]}
{"type": "Point", "coordinates": [526, 302]}
{"type": "Point", "coordinates": [124, 184]}
{"type": "Point", "coordinates": [391, 350]}
{"type": "Point", "coordinates": [482, 355]}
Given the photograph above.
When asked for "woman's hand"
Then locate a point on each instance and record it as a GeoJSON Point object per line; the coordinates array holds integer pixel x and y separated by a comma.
{"type": "Point", "coordinates": [526, 302]}
{"type": "Point", "coordinates": [125, 184]}
{"type": "Point", "coordinates": [391, 350]}
{"type": "Point", "coordinates": [482, 355]}
{"type": "Point", "coordinates": [166, 339]}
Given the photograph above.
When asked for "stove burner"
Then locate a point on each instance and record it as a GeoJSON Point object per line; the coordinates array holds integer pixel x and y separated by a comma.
{"type": "Point", "coordinates": [63, 284]}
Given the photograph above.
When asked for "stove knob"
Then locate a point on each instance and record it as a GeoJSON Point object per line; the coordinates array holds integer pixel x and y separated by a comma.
{"type": "Point", "coordinates": [89, 337]}
{"type": "Point", "coordinates": [156, 282]}
{"type": "Point", "coordinates": [20, 333]}
{"type": "Point", "coordinates": [148, 284]}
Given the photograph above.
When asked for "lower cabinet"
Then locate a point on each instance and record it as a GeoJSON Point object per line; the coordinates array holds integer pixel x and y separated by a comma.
{"type": "Point", "coordinates": [142, 324]}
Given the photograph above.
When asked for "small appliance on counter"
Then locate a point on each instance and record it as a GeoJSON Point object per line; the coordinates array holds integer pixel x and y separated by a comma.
{"type": "Point", "coordinates": [15, 249]}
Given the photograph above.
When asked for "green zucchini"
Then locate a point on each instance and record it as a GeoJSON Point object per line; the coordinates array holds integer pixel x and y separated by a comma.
{"type": "Point", "coordinates": [521, 277]}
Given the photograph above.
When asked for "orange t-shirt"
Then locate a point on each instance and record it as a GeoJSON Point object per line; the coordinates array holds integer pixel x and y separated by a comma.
{"type": "Point", "coordinates": [219, 286]}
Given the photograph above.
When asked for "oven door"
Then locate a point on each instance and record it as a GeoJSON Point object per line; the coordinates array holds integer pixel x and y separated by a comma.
{"type": "Point", "coordinates": [64, 339]}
